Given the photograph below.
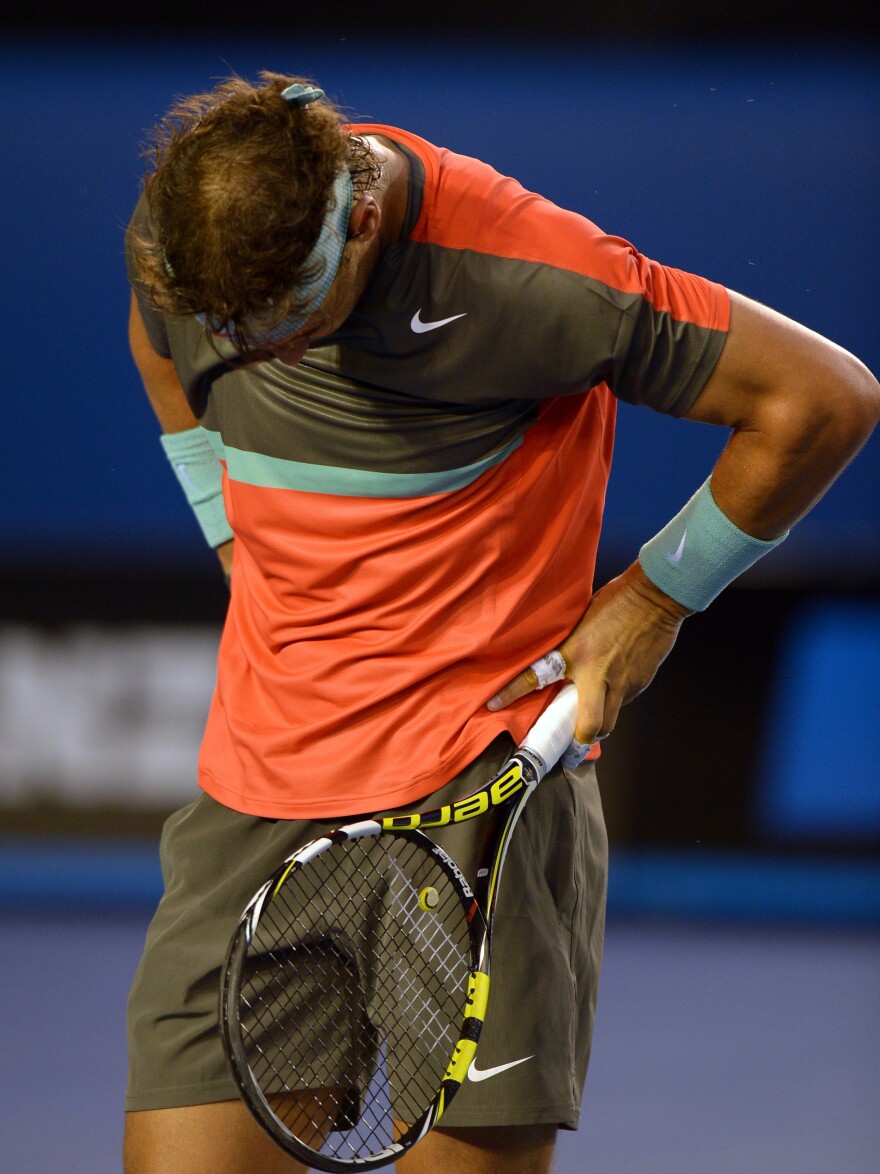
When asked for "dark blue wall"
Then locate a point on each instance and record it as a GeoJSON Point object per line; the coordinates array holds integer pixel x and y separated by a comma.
{"type": "Point", "coordinates": [756, 168]}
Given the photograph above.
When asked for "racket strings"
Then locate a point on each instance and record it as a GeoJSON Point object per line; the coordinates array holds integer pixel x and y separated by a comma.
{"type": "Point", "coordinates": [267, 1011]}
{"type": "Point", "coordinates": [276, 1005]}
{"type": "Point", "coordinates": [404, 988]}
{"type": "Point", "coordinates": [353, 993]}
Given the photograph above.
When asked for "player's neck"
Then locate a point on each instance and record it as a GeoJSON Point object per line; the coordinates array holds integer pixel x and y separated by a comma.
{"type": "Point", "coordinates": [392, 190]}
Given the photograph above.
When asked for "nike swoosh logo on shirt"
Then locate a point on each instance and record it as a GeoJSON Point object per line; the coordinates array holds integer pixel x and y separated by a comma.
{"type": "Point", "coordinates": [675, 557]}
{"type": "Point", "coordinates": [475, 1073]}
{"type": "Point", "coordinates": [420, 327]}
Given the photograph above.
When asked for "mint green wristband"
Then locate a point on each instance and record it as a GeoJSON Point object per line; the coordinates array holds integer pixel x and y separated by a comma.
{"type": "Point", "coordinates": [700, 552]}
{"type": "Point", "coordinates": [197, 469]}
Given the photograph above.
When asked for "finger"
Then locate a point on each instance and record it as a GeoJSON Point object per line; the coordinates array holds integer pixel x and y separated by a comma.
{"type": "Point", "coordinates": [593, 697]}
{"type": "Point", "coordinates": [592, 693]}
{"type": "Point", "coordinates": [546, 670]}
{"type": "Point", "coordinates": [549, 668]}
{"type": "Point", "coordinates": [613, 705]}
{"type": "Point", "coordinates": [525, 682]}
{"type": "Point", "coordinates": [576, 753]}
{"type": "Point", "coordinates": [580, 746]}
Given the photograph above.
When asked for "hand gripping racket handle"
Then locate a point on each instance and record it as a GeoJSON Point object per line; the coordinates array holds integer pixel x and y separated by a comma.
{"type": "Point", "coordinates": [549, 737]}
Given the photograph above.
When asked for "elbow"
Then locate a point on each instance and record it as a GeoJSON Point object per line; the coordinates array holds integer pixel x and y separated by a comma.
{"type": "Point", "coordinates": [855, 404]}
{"type": "Point", "coordinates": [826, 420]}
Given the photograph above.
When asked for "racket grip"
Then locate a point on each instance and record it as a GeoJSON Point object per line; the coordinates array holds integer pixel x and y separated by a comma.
{"type": "Point", "coordinates": [549, 737]}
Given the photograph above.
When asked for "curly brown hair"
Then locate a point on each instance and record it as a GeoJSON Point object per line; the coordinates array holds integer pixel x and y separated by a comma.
{"type": "Point", "coordinates": [237, 197]}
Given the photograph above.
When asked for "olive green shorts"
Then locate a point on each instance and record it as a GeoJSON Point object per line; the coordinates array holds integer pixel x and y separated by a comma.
{"type": "Point", "coordinates": [546, 948]}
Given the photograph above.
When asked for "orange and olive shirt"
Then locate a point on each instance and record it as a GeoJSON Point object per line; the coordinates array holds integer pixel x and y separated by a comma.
{"type": "Point", "coordinates": [417, 505]}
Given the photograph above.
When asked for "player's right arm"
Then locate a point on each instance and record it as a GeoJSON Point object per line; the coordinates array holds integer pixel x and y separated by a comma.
{"type": "Point", "coordinates": [165, 393]}
{"type": "Point", "coordinates": [798, 408]}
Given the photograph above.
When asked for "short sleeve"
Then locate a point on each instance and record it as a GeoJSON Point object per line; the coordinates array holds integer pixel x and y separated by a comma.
{"type": "Point", "coordinates": [154, 319]}
{"type": "Point", "coordinates": [671, 336]}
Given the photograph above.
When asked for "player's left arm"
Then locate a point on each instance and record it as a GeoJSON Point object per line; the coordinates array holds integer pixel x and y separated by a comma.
{"type": "Point", "coordinates": [166, 396]}
{"type": "Point", "coordinates": [799, 408]}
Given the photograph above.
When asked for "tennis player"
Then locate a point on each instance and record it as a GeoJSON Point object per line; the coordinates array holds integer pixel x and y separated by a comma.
{"type": "Point", "coordinates": [386, 377]}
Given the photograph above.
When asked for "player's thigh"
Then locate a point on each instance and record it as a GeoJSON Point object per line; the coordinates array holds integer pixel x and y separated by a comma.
{"type": "Point", "coordinates": [218, 1138]}
{"type": "Point", "coordinates": [503, 1149]}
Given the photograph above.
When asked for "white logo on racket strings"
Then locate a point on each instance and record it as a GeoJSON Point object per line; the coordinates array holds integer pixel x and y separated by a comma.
{"type": "Point", "coordinates": [475, 1073]}
{"type": "Point", "coordinates": [675, 557]}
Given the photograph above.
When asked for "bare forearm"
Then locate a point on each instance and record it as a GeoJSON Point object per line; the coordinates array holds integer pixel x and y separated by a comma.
{"type": "Point", "coordinates": [174, 414]}
{"type": "Point", "coordinates": [159, 378]}
{"type": "Point", "coordinates": [764, 492]}
{"type": "Point", "coordinates": [800, 408]}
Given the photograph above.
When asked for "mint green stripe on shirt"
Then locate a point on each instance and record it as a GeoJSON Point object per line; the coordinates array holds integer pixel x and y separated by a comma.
{"type": "Point", "coordinates": [253, 468]}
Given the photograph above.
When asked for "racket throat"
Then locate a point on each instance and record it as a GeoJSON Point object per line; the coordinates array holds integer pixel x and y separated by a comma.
{"type": "Point", "coordinates": [466, 1047]}
{"type": "Point", "coordinates": [488, 877]}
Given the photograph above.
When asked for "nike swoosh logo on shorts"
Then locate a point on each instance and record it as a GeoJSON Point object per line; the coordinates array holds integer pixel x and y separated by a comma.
{"type": "Point", "coordinates": [675, 557]}
{"type": "Point", "coordinates": [475, 1073]}
{"type": "Point", "coordinates": [420, 327]}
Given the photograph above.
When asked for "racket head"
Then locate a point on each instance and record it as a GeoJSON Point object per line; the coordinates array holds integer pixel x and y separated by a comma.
{"type": "Point", "coordinates": [353, 995]}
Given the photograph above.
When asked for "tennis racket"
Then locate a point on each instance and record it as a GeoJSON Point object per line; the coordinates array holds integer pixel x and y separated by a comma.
{"type": "Point", "coordinates": [356, 983]}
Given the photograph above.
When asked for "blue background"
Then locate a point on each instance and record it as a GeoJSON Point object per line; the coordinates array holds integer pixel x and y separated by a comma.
{"type": "Point", "coordinates": [756, 167]}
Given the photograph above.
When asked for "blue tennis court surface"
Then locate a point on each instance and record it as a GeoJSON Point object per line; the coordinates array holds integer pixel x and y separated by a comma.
{"type": "Point", "coordinates": [718, 1050]}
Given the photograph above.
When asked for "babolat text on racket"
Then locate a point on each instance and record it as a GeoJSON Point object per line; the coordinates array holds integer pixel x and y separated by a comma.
{"type": "Point", "coordinates": [356, 983]}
